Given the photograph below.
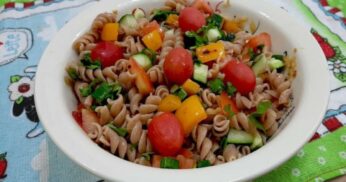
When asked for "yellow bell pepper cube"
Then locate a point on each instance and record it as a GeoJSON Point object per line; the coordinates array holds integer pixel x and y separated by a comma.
{"type": "Point", "coordinates": [210, 52]}
{"type": "Point", "coordinates": [153, 40]}
{"type": "Point", "coordinates": [235, 25]}
{"type": "Point", "coordinates": [172, 19]}
{"type": "Point", "coordinates": [169, 103]}
{"type": "Point", "coordinates": [190, 113]}
{"type": "Point", "coordinates": [191, 87]}
{"type": "Point", "coordinates": [110, 32]}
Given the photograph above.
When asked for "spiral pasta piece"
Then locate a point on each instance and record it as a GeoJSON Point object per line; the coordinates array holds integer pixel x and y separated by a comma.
{"type": "Point", "coordinates": [155, 74]}
{"type": "Point", "coordinates": [240, 121]}
{"type": "Point", "coordinates": [90, 124]}
{"type": "Point", "coordinates": [209, 98]}
{"type": "Point", "coordinates": [282, 86]}
{"type": "Point", "coordinates": [167, 45]}
{"type": "Point", "coordinates": [135, 98]}
{"type": "Point", "coordinates": [148, 109]}
{"type": "Point", "coordinates": [86, 41]}
{"type": "Point", "coordinates": [127, 79]}
{"type": "Point", "coordinates": [203, 144]}
{"type": "Point", "coordinates": [269, 121]}
{"type": "Point", "coordinates": [243, 102]}
{"type": "Point", "coordinates": [179, 38]}
{"type": "Point", "coordinates": [231, 153]}
{"type": "Point", "coordinates": [102, 19]}
{"type": "Point", "coordinates": [220, 125]}
{"type": "Point", "coordinates": [114, 112]}
{"type": "Point", "coordinates": [177, 5]}
{"type": "Point", "coordinates": [161, 91]}
{"type": "Point", "coordinates": [118, 145]}
{"type": "Point", "coordinates": [132, 45]}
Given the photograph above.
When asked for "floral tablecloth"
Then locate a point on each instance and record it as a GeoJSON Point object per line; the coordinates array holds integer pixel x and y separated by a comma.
{"type": "Point", "coordinates": [27, 26]}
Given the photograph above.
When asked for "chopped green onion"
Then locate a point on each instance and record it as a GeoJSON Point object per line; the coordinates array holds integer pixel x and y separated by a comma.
{"type": "Point", "coordinates": [85, 91]}
{"type": "Point", "coordinates": [161, 15]}
{"type": "Point", "coordinates": [203, 163]}
{"type": "Point", "coordinates": [169, 163]}
{"type": "Point", "coordinates": [215, 20]}
{"type": "Point", "coordinates": [120, 131]}
{"type": "Point", "coordinates": [223, 142]}
{"type": "Point", "coordinates": [147, 155]}
{"type": "Point", "coordinates": [228, 37]}
{"type": "Point", "coordinates": [179, 91]}
{"type": "Point", "coordinates": [253, 119]}
{"type": "Point", "coordinates": [89, 63]}
{"type": "Point", "coordinates": [216, 85]}
{"type": "Point", "coordinates": [72, 73]}
{"type": "Point", "coordinates": [229, 111]}
{"type": "Point", "coordinates": [105, 91]}
{"type": "Point", "coordinates": [230, 89]}
{"type": "Point", "coordinates": [278, 56]}
{"type": "Point", "coordinates": [262, 107]}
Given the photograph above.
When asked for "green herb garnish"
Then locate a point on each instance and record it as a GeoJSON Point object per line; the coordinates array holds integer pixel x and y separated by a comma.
{"type": "Point", "coordinates": [223, 142]}
{"type": "Point", "coordinates": [89, 63]}
{"type": "Point", "coordinates": [106, 91]}
{"type": "Point", "coordinates": [72, 73]}
{"type": "Point", "coordinates": [203, 163]}
{"type": "Point", "coordinates": [169, 163]}
{"type": "Point", "coordinates": [261, 109]}
{"type": "Point", "coordinates": [195, 40]}
{"type": "Point", "coordinates": [228, 37]}
{"type": "Point", "coordinates": [230, 89]}
{"type": "Point", "coordinates": [120, 131]}
{"type": "Point", "coordinates": [229, 111]}
{"type": "Point", "coordinates": [161, 15]}
{"type": "Point", "coordinates": [147, 155]}
{"type": "Point", "coordinates": [89, 89]}
{"type": "Point", "coordinates": [215, 20]}
{"type": "Point", "coordinates": [216, 85]}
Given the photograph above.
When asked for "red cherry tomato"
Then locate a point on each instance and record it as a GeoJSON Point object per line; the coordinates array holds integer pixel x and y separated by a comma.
{"type": "Point", "coordinates": [191, 19]}
{"type": "Point", "coordinates": [240, 75]}
{"type": "Point", "coordinates": [178, 65]}
{"type": "Point", "coordinates": [260, 39]}
{"type": "Point", "coordinates": [107, 53]}
{"type": "Point", "coordinates": [166, 134]}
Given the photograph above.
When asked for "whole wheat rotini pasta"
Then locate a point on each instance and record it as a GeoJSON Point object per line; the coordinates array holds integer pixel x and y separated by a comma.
{"type": "Point", "coordinates": [149, 85]}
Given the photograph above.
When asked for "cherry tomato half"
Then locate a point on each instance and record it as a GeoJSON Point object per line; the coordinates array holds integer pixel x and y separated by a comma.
{"type": "Point", "coordinates": [191, 19]}
{"type": "Point", "coordinates": [107, 53]}
{"type": "Point", "coordinates": [166, 134]}
{"type": "Point", "coordinates": [178, 65]}
{"type": "Point", "coordinates": [260, 39]}
{"type": "Point", "coordinates": [240, 75]}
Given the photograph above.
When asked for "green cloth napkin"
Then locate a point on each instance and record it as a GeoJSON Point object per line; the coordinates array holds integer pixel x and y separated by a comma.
{"type": "Point", "coordinates": [317, 161]}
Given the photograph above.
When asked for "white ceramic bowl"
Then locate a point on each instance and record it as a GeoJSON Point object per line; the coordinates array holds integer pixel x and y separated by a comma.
{"type": "Point", "coordinates": [55, 101]}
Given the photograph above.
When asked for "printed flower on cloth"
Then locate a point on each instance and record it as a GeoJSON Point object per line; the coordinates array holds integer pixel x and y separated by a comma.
{"type": "Point", "coordinates": [21, 87]}
{"type": "Point", "coordinates": [337, 66]}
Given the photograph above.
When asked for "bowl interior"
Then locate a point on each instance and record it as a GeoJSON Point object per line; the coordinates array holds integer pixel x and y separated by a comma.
{"type": "Point", "coordinates": [55, 100]}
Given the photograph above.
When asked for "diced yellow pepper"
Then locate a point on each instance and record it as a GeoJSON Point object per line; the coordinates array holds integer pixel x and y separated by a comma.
{"type": "Point", "coordinates": [191, 87]}
{"type": "Point", "coordinates": [153, 40]}
{"type": "Point", "coordinates": [169, 103]}
{"type": "Point", "coordinates": [210, 52]}
{"type": "Point", "coordinates": [190, 113]}
{"type": "Point", "coordinates": [110, 32]}
{"type": "Point", "coordinates": [235, 25]}
{"type": "Point", "coordinates": [172, 19]}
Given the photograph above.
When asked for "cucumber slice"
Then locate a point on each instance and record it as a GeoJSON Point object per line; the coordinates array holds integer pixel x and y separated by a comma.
{"type": "Point", "coordinates": [257, 141]}
{"type": "Point", "coordinates": [143, 60]}
{"type": "Point", "coordinates": [200, 73]}
{"type": "Point", "coordinates": [260, 64]}
{"type": "Point", "coordinates": [178, 91]}
{"type": "Point", "coordinates": [128, 21]}
{"type": "Point", "coordinates": [239, 137]}
{"type": "Point", "coordinates": [138, 13]}
{"type": "Point", "coordinates": [275, 63]}
{"type": "Point", "coordinates": [213, 34]}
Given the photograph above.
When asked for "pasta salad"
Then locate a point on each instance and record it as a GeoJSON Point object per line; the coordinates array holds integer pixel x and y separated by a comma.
{"type": "Point", "coordinates": [180, 87]}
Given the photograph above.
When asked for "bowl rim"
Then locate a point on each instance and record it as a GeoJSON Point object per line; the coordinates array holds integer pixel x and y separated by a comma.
{"type": "Point", "coordinates": [102, 163]}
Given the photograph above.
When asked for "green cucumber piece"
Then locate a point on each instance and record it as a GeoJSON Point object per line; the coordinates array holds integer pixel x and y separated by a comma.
{"type": "Point", "coordinates": [257, 141]}
{"type": "Point", "coordinates": [128, 21]}
{"type": "Point", "coordinates": [239, 137]}
{"type": "Point", "coordinates": [179, 91]}
{"type": "Point", "coordinates": [275, 63]}
{"type": "Point", "coordinates": [143, 60]}
{"type": "Point", "coordinates": [213, 34]}
{"type": "Point", "coordinates": [200, 73]}
{"type": "Point", "coordinates": [138, 13]}
{"type": "Point", "coordinates": [260, 64]}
